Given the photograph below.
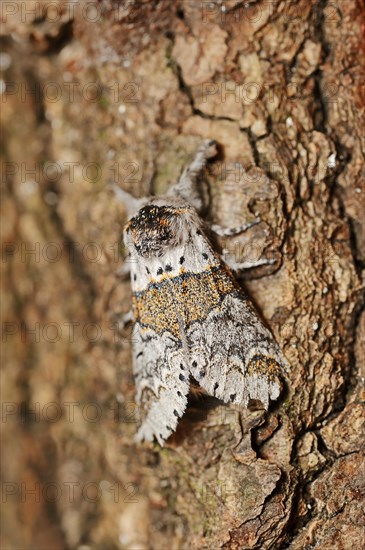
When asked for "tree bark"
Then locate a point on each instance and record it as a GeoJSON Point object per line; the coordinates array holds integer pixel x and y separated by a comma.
{"type": "Point", "coordinates": [125, 91]}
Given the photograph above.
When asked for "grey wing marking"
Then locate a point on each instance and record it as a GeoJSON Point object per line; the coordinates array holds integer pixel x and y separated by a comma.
{"type": "Point", "coordinates": [162, 383]}
{"type": "Point", "coordinates": [234, 357]}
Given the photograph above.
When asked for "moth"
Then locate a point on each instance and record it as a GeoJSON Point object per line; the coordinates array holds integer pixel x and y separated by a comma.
{"type": "Point", "coordinates": [192, 321]}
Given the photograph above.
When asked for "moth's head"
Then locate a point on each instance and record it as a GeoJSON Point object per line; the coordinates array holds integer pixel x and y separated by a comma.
{"type": "Point", "coordinates": [157, 227]}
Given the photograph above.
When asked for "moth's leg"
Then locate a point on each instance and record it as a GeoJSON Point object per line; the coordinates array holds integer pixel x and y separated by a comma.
{"type": "Point", "coordinates": [127, 318]}
{"type": "Point", "coordinates": [186, 186]}
{"type": "Point", "coordinates": [121, 323]}
{"type": "Point", "coordinates": [230, 232]}
{"type": "Point", "coordinates": [248, 264]}
{"type": "Point", "coordinates": [124, 271]}
{"type": "Point", "coordinates": [228, 258]}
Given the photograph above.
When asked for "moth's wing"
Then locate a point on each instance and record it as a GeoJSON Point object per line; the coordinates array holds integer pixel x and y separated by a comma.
{"type": "Point", "coordinates": [162, 382]}
{"type": "Point", "coordinates": [233, 356]}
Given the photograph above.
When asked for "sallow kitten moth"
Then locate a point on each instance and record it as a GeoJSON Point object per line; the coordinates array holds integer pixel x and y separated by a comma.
{"type": "Point", "coordinates": [191, 318]}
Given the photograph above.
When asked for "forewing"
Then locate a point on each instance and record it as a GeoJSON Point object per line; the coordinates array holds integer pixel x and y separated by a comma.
{"type": "Point", "coordinates": [165, 296]}
{"type": "Point", "coordinates": [162, 383]}
{"type": "Point", "coordinates": [234, 356]}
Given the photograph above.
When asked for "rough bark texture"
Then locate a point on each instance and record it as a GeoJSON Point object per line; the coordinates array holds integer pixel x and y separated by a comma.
{"type": "Point", "coordinates": [278, 85]}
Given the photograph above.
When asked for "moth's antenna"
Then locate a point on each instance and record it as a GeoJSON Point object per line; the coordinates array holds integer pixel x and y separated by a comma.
{"type": "Point", "coordinates": [186, 187]}
{"type": "Point", "coordinates": [129, 202]}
